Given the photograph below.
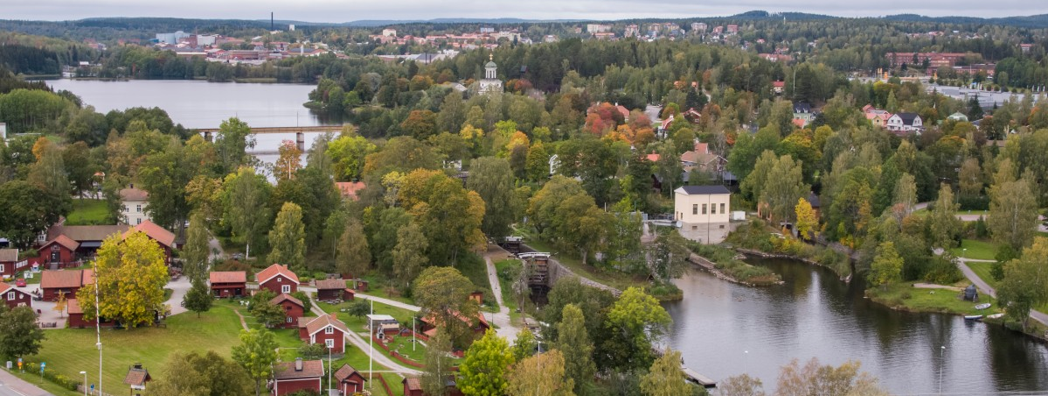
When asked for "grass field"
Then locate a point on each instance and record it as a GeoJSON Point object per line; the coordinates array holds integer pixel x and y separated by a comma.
{"type": "Point", "coordinates": [905, 296]}
{"type": "Point", "coordinates": [976, 249]}
{"type": "Point", "coordinates": [983, 270]}
{"type": "Point", "coordinates": [88, 212]}
{"type": "Point", "coordinates": [69, 351]}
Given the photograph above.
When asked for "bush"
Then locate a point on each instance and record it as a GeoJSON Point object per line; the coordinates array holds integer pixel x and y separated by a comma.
{"type": "Point", "coordinates": [941, 270]}
{"type": "Point", "coordinates": [53, 376]}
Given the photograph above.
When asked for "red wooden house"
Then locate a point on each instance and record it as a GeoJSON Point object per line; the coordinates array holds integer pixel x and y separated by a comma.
{"type": "Point", "coordinates": [291, 377]}
{"type": "Point", "coordinates": [59, 252]}
{"type": "Point", "coordinates": [226, 284]}
{"type": "Point", "coordinates": [293, 309]}
{"type": "Point", "coordinates": [278, 279]}
{"type": "Point", "coordinates": [8, 258]}
{"type": "Point", "coordinates": [331, 289]}
{"type": "Point", "coordinates": [67, 282]}
{"type": "Point", "coordinates": [88, 238]}
{"type": "Point", "coordinates": [412, 387]}
{"type": "Point", "coordinates": [326, 330]}
{"type": "Point", "coordinates": [350, 381]}
{"type": "Point", "coordinates": [75, 319]}
{"type": "Point", "coordinates": [164, 238]}
{"type": "Point", "coordinates": [479, 324]}
{"type": "Point", "coordinates": [14, 297]}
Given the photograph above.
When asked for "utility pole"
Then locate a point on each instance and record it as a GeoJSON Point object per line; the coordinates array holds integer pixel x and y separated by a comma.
{"type": "Point", "coordinates": [98, 335]}
{"type": "Point", "coordinates": [371, 345]}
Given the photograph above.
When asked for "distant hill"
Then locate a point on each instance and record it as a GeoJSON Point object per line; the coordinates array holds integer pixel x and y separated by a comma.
{"type": "Point", "coordinates": [1032, 21]}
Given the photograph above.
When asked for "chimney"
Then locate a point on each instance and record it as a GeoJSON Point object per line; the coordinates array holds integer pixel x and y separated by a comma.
{"type": "Point", "coordinates": [298, 364]}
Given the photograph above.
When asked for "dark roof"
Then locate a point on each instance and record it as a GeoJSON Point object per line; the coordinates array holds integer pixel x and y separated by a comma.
{"type": "Point", "coordinates": [813, 200]}
{"type": "Point", "coordinates": [704, 190]}
{"type": "Point", "coordinates": [801, 107]}
{"type": "Point", "coordinates": [310, 369]}
{"type": "Point", "coordinates": [907, 118]}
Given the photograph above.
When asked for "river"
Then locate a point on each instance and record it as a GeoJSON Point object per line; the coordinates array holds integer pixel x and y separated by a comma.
{"type": "Point", "coordinates": [724, 329]}
{"type": "Point", "coordinates": [201, 104]}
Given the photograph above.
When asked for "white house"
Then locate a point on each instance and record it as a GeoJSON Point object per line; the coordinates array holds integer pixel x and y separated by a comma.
{"type": "Point", "coordinates": [703, 212]}
{"type": "Point", "coordinates": [906, 123]}
{"type": "Point", "coordinates": [133, 205]}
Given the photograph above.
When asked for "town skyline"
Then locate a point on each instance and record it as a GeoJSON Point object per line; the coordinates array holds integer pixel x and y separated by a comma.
{"type": "Point", "coordinates": [327, 11]}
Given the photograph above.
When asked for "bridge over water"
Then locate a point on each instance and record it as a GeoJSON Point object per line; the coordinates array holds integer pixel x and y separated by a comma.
{"type": "Point", "coordinates": [300, 132]}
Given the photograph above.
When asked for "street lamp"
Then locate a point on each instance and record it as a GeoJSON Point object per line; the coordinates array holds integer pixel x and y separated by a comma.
{"type": "Point", "coordinates": [84, 373]}
{"type": "Point", "coordinates": [941, 363]}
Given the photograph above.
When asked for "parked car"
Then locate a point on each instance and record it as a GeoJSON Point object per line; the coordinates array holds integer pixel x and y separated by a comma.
{"type": "Point", "coordinates": [20, 282]}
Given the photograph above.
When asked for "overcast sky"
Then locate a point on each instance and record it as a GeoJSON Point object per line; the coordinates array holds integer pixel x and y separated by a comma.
{"type": "Point", "coordinates": [351, 10]}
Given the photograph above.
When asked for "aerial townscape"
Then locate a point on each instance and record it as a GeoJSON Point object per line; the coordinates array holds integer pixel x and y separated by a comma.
{"type": "Point", "coordinates": [766, 203]}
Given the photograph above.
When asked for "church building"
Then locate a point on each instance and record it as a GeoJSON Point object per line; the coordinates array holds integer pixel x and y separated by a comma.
{"type": "Point", "coordinates": [491, 82]}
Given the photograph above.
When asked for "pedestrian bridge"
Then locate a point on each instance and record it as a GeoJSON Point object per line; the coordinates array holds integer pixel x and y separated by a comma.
{"type": "Point", "coordinates": [300, 132]}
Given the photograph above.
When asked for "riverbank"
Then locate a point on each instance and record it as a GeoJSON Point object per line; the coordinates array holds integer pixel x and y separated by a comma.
{"type": "Point", "coordinates": [906, 297]}
{"type": "Point", "coordinates": [723, 264]}
{"type": "Point", "coordinates": [756, 239]}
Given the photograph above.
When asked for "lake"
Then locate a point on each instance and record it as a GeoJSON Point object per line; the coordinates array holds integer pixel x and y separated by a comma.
{"type": "Point", "coordinates": [201, 104]}
{"type": "Point", "coordinates": [724, 329]}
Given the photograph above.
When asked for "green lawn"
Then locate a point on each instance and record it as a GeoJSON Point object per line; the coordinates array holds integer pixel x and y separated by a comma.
{"type": "Point", "coordinates": [983, 270]}
{"type": "Point", "coordinates": [69, 351]}
{"type": "Point", "coordinates": [379, 286]}
{"type": "Point", "coordinates": [979, 250]}
{"type": "Point", "coordinates": [508, 296]}
{"type": "Point", "coordinates": [474, 268]}
{"type": "Point", "coordinates": [358, 324]}
{"type": "Point", "coordinates": [88, 212]}
{"type": "Point", "coordinates": [929, 300]}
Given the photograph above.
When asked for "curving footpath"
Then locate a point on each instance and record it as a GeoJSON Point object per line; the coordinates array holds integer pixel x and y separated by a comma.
{"type": "Point", "coordinates": [986, 289]}
{"type": "Point", "coordinates": [501, 319]}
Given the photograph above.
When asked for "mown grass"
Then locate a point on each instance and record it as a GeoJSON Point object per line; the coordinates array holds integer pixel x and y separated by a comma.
{"type": "Point", "coordinates": [88, 212]}
{"type": "Point", "coordinates": [975, 249]}
{"type": "Point", "coordinates": [983, 270]}
{"type": "Point", "coordinates": [508, 269]}
{"type": "Point", "coordinates": [905, 297]}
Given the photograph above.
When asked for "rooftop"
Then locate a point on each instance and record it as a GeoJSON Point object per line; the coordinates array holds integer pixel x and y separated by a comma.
{"type": "Point", "coordinates": [703, 190]}
{"type": "Point", "coordinates": [331, 284]}
{"type": "Point", "coordinates": [274, 270]}
{"type": "Point", "coordinates": [310, 369]}
{"type": "Point", "coordinates": [228, 277]}
{"type": "Point", "coordinates": [8, 255]}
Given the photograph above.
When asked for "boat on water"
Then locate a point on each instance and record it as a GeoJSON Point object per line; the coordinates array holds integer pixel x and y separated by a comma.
{"type": "Point", "coordinates": [982, 306]}
{"type": "Point", "coordinates": [972, 317]}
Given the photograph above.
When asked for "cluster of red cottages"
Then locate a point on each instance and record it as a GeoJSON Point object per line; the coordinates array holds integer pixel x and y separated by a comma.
{"type": "Point", "coordinates": [70, 246]}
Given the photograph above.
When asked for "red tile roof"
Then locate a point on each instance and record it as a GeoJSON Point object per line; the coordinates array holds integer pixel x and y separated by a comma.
{"type": "Point", "coordinates": [285, 297]}
{"type": "Point", "coordinates": [274, 270]}
{"type": "Point", "coordinates": [157, 233]}
{"type": "Point", "coordinates": [345, 372]}
{"type": "Point", "coordinates": [228, 277]}
{"type": "Point", "coordinates": [413, 383]}
{"type": "Point", "coordinates": [350, 189]}
{"type": "Point", "coordinates": [63, 241]}
{"type": "Point", "coordinates": [331, 284]}
{"type": "Point", "coordinates": [73, 307]}
{"type": "Point", "coordinates": [321, 322]}
{"type": "Point", "coordinates": [653, 157]}
{"type": "Point", "coordinates": [137, 377]}
{"type": "Point", "coordinates": [310, 369]}
{"type": "Point", "coordinates": [65, 279]}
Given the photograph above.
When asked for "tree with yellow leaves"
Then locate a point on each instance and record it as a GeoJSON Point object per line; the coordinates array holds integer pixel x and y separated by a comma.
{"type": "Point", "coordinates": [807, 223]}
{"type": "Point", "coordinates": [540, 375]}
{"type": "Point", "coordinates": [130, 276]}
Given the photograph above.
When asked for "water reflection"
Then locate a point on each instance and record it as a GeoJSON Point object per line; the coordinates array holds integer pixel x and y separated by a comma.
{"type": "Point", "coordinates": [724, 329]}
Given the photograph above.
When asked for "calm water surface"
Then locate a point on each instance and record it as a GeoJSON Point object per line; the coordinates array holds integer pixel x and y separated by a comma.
{"type": "Point", "coordinates": [724, 329]}
{"type": "Point", "coordinates": [201, 104]}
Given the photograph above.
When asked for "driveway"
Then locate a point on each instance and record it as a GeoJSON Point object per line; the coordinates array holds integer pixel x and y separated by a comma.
{"type": "Point", "coordinates": [179, 289]}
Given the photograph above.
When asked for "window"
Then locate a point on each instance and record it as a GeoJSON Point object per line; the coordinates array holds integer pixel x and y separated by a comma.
{"type": "Point", "coordinates": [329, 330]}
{"type": "Point", "coordinates": [330, 343]}
{"type": "Point", "coordinates": [703, 208]}
{"type": "Point", "coordinates": [713, 208]}
{"type": "Point", "coordinates": [693, 228]}
{"type": "Point", "coordinates": [722, 209]}
{"type": "Point", "coordinates": [695, 209]}
{"type": "Point", "coordinates": [1, 268]}
{"type": "Point", "coordinates": [285, 289]}
{"type": "Point", "coordinates": [138, 221]}
{"type": "Point", "coordinates": [289, 319]}
{"type": "Point", "coordinates": [10, 296]}
{"type": "Point", "coordinates": [279, 279]}
{"type": "Point", "coordinates": [138, 208]}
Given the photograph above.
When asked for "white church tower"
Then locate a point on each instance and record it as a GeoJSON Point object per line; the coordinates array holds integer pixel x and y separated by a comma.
{"type": "Point", "coordinates": [491, 82]}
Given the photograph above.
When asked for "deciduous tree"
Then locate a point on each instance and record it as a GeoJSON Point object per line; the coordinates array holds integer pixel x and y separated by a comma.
{"type": "Point", "coordinates": [233, 140]}
{"type": "Point", "coordinates": [438, 365]}
{"type": "Point", "coordinates": [484, 368]}
{"type": "Point", "coordinates": [354, 257]}
{"type": "Point", "coordinates": [943, 224]}
{"type": "Point", "coordinates": [887, 265]}
{"type": "Point", "coordinates": [287, 239]}
{"type": "Point", "coordinates": [807, 224]}
{"type": "Point", "coordinates": [244, 197]}
{"type": "Point", "coordinates": [256, 353]}
{"type": "Point", "coordinates": [575, 343]}
{"type": "Point", "coordinates": [196, 373]}
{"type": "Point", "coordinates": [815, 379]}
{"type": "Point", "coordinates": [197, 249]}
{"type": "Point", "coordinates": [1025, 282]}
{"type": "Point", "coordinates": [19, 333]}
{"type": "Point", "coordinates": [493, 179]}
{"type": "Point", "coordinates": [288, 161]}
{"type": "Point", "coordinates": [665, 377]}
{"type": "Point", "coordinates": [409, 255]}
{"type": "Point", "coordinates": [130, 275]}
{"type": "Point", "coordinates": [443, 293]}
{"type": "Point", "coordinates": [1013, 214]}
{"type": "Point", "coordinates": [540, 375]}
{"type": "Point", "coordinates": [634, 322]}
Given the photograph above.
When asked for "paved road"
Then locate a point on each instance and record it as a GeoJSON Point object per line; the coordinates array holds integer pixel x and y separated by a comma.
{"type": "Point", "coordinates": [500, 318]}
{"type": "Point", "coordinates": [986, 289]}
{"type": "Point", "coordinates": [379, 358]}
{"type": "Point", "coordinates": [179, 289]}
{"type": "Point", "coordinates": [13, 386]}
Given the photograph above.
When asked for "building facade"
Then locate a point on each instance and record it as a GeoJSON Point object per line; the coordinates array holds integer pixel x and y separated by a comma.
{"type": "Point", "coordinates": [134, 204]}
{"type": "Point", "coordinates": [491, 83]}
{"type": "Point", "coordinates": [703, 212]}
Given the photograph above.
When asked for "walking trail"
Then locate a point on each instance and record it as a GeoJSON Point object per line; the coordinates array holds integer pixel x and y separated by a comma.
{"type": "Point", "coordinates": [500, 319]}
{"type": "Point", "coordinates": [962, 263]}
{"type": "Point", "coordinates": [242, 321]}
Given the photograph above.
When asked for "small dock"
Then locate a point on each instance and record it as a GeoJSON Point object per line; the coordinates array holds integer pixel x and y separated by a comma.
{"type": "Point", "coordinates": [697, 378]}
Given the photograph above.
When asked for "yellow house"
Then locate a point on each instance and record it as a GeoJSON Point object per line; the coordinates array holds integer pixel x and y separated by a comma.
{"type": "Point", "coordinates": [703, 212]}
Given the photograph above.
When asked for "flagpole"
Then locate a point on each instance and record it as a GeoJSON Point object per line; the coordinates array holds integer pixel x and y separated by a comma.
{"type": "Point", "coordinates": [371, 344]}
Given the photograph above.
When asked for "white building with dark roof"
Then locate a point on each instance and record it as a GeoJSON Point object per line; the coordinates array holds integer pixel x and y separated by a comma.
{"type": "Point", "coordinates": [703, 212]}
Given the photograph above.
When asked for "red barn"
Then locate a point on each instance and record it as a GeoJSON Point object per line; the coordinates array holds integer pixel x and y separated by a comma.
{"type": "Point", "coordinates": [75, 319]}
{"type": "Point", "coordinates": [59, 252]}
{"type": "Point", "coordinates": [228, 283]}
{"type": "Point", "coordinates": [330, 290]}
{"type": "Point", "coordinates": [291, 377]}
{"type": "Point", "coordinates": [350, 380]}
{"type": "Point", "coordinates": [67, 282]}
{"type": "Point", "coordinates": [412, 387]}
{"type": "Point", "coordinates": [14, 297]}
{"type": "Point", "coordinates": [293, 309]}
{"type": "Point", "coordinates": [164, 238]}
{"type": "Point", "coordinates": [8, 258]}
{"type": "Point", "coordinates": [326, 330]}
{"type": "Point", "coordinates": [278, 279]}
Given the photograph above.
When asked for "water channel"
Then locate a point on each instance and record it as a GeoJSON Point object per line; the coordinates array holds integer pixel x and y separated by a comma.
{"type": "Point", "coordinates": [724, 329]}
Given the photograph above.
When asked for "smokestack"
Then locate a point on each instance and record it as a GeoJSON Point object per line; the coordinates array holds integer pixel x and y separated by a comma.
{"type": "Point", "coordinates": [271, 25]}
{"type": "Point", "coordinates": [298, 364]}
